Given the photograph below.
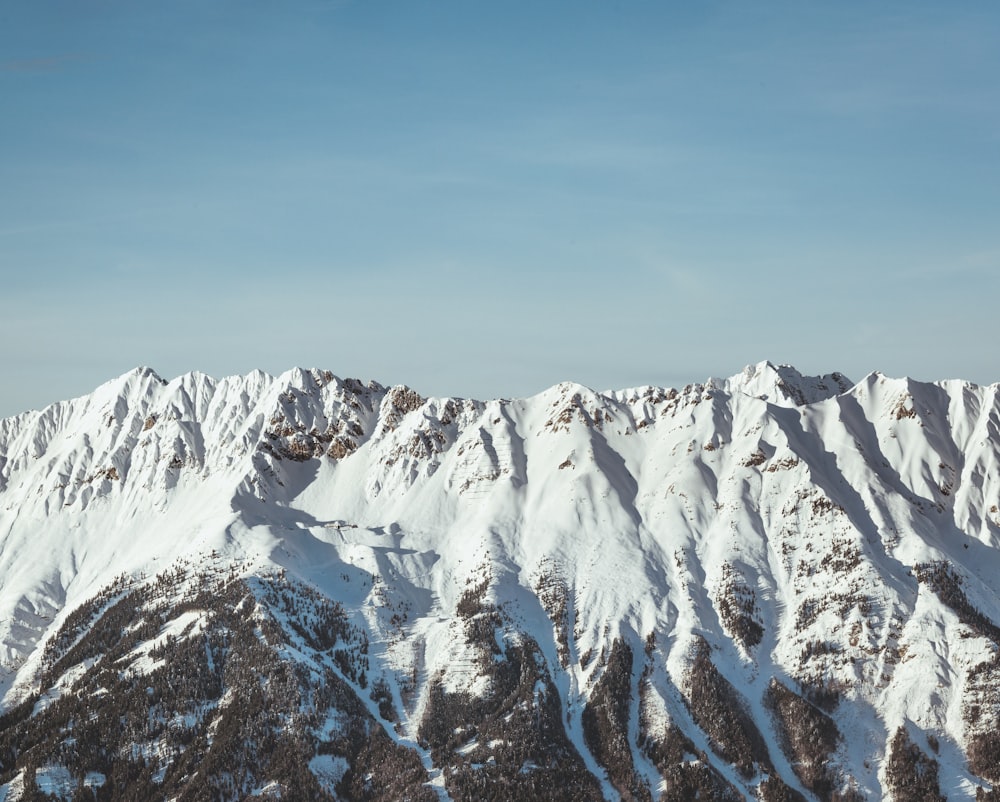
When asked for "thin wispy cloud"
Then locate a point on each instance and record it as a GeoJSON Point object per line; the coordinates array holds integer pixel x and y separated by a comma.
{"type": "Point", "coordinates": [43, 64]}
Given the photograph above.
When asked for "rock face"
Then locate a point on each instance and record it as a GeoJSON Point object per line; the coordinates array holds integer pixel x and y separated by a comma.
{"type": "Point", "coordinates": [766, 587]}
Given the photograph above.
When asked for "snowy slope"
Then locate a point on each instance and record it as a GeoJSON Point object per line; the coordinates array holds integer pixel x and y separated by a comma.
{"type": "Point", "coordinates": [839, 539]}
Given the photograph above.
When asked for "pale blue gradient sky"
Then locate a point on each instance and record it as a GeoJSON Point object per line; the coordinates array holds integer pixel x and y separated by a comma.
{"type": "Point", "coordinates": [487, 198]}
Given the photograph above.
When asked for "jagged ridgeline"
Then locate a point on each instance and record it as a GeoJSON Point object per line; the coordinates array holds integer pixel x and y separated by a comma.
{"type": "Point", "coordinates": [769, 587]}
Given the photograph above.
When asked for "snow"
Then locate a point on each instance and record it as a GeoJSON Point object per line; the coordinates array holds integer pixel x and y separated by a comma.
{"type": "Point", "coordinates": [62, 685]}
{"type": "Point", "coordinates": [267, 788]}
{"type": "Point", "coordinates": [94, 779]}
{"type": "Point", "coordinates": [186, 625]}
{"type": "Point", "coordinates": [329, 770]}
{"type": "Point", "coordinates": [55, 780]}
{"type": "Point", "coordinates": [12, 791]}
{"type": "Point", "coordinates": [764, 472]}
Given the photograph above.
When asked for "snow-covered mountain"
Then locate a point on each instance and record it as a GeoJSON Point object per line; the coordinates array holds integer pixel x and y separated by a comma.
{"type": "Point", "coordinates": [770, 586]}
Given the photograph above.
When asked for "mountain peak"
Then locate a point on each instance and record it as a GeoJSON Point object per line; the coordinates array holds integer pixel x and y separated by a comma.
{"type": "Point", "coordinates": [784, 384]}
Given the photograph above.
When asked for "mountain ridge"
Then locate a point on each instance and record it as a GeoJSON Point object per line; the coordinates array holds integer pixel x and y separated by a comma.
{"type": "Point", "coordinates": [771, 538]}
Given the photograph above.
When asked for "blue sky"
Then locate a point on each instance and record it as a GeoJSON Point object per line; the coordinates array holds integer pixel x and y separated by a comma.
{"type": "Point", "coordinates": [487, 198]}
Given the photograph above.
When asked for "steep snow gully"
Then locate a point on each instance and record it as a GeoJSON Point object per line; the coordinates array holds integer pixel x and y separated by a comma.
{"type": "Point", "coordinates": [769, 587]}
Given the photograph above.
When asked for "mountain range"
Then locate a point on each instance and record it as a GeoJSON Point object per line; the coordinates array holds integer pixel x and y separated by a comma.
{"type": "Point", "coordinates": [771, 586]}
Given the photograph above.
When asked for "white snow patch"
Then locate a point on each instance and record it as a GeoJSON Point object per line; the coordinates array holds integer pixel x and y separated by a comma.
{"type": "Point", "coordinates": [187, 625]}
{"type": "Point", "coordinates": [329, 770]}
{"type": "Point", "coordinates": [55, 780]}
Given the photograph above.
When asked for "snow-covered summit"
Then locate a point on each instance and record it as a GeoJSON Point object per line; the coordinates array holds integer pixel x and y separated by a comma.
{"type": "Point", "coordinates": [799, 541]}
{"type": "Point", "coordinates": [783, 384]}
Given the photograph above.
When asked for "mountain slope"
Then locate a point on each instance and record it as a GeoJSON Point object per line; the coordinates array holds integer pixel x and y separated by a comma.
{"type": "Point", "coordinates": [770, 586]}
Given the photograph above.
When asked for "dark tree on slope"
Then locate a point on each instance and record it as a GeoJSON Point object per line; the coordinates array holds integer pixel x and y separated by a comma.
{"type": "Point", "coordinates": [719, 710]}
{"type": "Point", "coordinates": [672, 752]}
{"type": "Point", "coordinates": [221, 711]}
{"type": "Point", "coordinates": [808, 737]}
{"type": "Point", "coordinates": [606, 720]}
{"type": "Point", "coordinates": [911, 775]}
{"type": "Point", "coordinates": [509, 744]}
{"type": "Point", "coordinates": [946, 584]}
{"type": "Point", "coordinates": [773, 789]}
{"type": "Point", "coordinates": [982, 705]}
{"type": "Point", "coordinates": [736, 602]}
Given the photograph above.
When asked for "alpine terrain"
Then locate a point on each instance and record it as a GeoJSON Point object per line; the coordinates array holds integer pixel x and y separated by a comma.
{"type": "Point", "coordinates": [302, 587]}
